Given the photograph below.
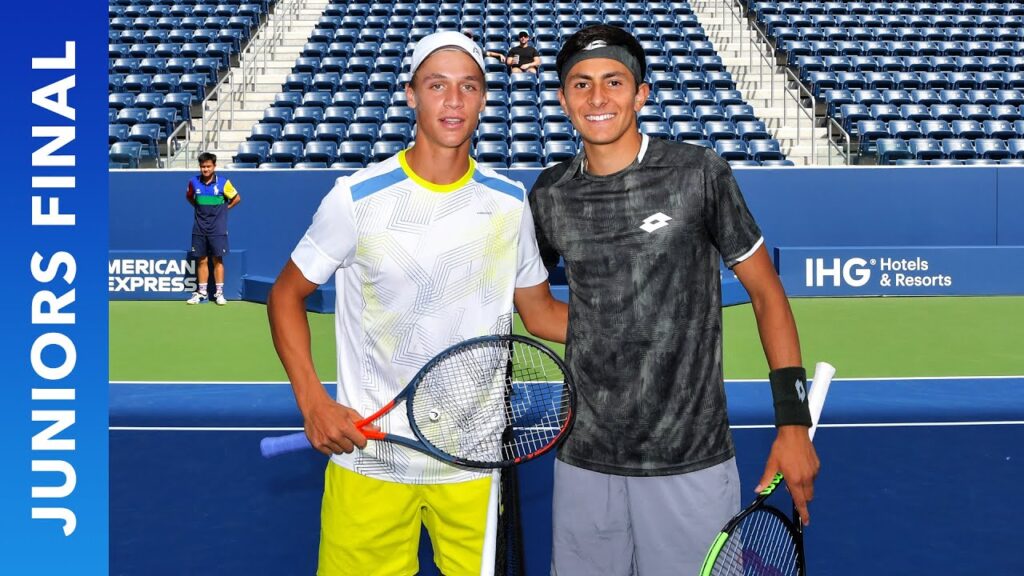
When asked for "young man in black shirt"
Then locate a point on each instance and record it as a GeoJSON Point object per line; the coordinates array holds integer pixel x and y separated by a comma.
{"type": "Point", "coordinates": [523, 58]}
{"type": "Point", "coordinates": [648, 475]}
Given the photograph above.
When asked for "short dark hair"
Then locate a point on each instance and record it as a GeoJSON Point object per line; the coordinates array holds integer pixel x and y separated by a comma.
{"type": "Point", "coordinates": [524, 34]}
{"type": "Point", "coordinates": [207, 157]}
{"type": "Point", "coordinates": [612, 36]}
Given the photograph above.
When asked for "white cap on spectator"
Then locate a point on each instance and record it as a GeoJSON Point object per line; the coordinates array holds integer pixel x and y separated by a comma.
{"type": "Point", "coordinates": [445, 41]}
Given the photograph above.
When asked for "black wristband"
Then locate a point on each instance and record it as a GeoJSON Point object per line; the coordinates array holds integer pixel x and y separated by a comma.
{"type": "Point", "coordinates": [789, 393]}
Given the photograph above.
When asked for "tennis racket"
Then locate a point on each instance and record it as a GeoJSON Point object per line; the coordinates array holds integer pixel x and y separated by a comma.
{"type": "Point", "coordinates": [462, 403]}
{"type": "Point", "coordinates": [761, 540]}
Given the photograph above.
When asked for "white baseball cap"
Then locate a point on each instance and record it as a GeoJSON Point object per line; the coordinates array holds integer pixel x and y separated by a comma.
{"type": "Point", "coordinates": [445, 40]}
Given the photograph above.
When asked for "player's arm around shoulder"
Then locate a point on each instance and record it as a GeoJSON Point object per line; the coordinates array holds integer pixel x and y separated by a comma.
{"type": "Point", "coordinates": [543, 315]}
{"type": "Point", "coordinates": [792, 452]}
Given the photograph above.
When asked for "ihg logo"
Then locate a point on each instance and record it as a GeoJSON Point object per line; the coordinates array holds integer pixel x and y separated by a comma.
{"type": "Point", "coordinates": [854, 272]}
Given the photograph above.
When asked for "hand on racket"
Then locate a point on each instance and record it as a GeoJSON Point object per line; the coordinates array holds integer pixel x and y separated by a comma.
{"type": "Point", "coordinates": [793, 456]}
{"type": "Point", "coordinates": [461, 404]}
{"type": "Point", "coordinates": [761, 539]}
{"type": "Point", "coordinates": [333, 428]}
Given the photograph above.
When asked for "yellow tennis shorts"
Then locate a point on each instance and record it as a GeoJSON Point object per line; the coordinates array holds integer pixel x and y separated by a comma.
{"type": "Point", "coordinates": [371, 527]}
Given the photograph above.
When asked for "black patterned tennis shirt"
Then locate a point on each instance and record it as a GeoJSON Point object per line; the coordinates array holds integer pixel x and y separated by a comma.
{"type": "Point", "coordinates": [642, 250]}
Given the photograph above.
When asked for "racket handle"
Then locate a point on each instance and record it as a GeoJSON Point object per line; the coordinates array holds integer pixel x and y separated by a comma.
{"type": "Point", "coordinates": [276, 445]}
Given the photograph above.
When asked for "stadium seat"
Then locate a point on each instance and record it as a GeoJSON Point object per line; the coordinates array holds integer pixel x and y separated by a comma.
{"type": "Point", "coordinates": [958, 149]}
{"type": "Point", "coordinates": [385, 149]}
{"type": "Point", "coordinates": [522, 131]}
{"type": "Point", "coordinates": [752, 130]}
{"type": "Point", "coordinates": [298, 132]}
{"type": "Point", "coordinates": [397, 132]}
{"type": "Point", "coordinates": [557, 131]}
{"type": "Point", "coordinates": [925, 148]}
{"type": "Point", "coordinates": [891, 149]}
{"type": "Point", "coordinates": [355, 152]}
{"type": "Point", "coordinates": [492, 151]}
{"type": "Point", "coordinates": [691, 130]}
{"type": "Point", "coordinates": [762, 150]}
{"type": "Point", "coordinates": [999, 129]}
{"type": "Point", "coordinates": [265, 132]}
{"type": "Point", "coordinates": [331, 132]}
{"type": "Point", "coordinates": [252, 152]}
{"type": "Point", "coordinates": [321, 151]}
{"type": "Point", "coordinates": [559, 151]}
{"type": "Point", "coordinates": [286, 151]}
{"type": "Point", "coordinates": [125, 155]}
{"type": "Point", "coordinates": [363, 131]}
{"type": "Point", "coordinates": [1016, 147]}
{"type": "Point", "coordinates": [117, 133]}
{"type": "Point", "coordinates": [526, 151]}
{"type": "Point", "coordinates": [936, 129]}
{"type": "Point", "coordinates": [991, 149]}
{"type": "Point", "coordinates": [164, 117]}
{"type": "Point", "coordinates": [732, 149]}
{"type": "Point", "coordinates": [132, 116]}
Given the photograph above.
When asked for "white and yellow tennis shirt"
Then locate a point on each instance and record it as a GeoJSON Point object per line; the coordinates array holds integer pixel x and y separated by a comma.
{"type": "Point", "coordinates": [418, 267]}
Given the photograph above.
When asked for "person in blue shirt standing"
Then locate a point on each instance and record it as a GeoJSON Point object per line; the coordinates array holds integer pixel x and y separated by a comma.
{"type": "Point", "coordinates": [211, 199]}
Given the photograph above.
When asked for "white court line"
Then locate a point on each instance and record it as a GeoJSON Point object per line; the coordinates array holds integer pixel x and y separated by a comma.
{"type": "Point", "coordinates": [739, 380]}
{"type": "Point", "coordinates": [736, 427]}
{"type": "Point", "coordinates": [204, 428]}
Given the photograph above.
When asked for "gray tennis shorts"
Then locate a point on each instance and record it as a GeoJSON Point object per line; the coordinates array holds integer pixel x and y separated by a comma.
{"type": "Point", "coordinates": [639, 526]}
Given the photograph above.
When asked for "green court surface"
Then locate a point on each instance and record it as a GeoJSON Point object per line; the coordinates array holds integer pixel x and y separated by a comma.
{"type": "Point", "coordinates": [862, 337]}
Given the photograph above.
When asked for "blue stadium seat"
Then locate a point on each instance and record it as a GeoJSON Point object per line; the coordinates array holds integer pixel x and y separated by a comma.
{"type": "Point", "coordinates": [355, 153]}
{"type": "Point", "coordinates": [493, 131]}
{"type": "Point", "coordinates": [891, 149]}
{"type": "Point", "coordinates": [553, 114]}
{"type": "Point", "coordinates": [363, 131]}
{"type": "Point", "coordinates": [740, 113]}
{"type": "Point", "coordinates": [720, 130]}
{"type": "Point", "coordinates": [976, 112]}
{"type": "Point", "coordinates": [983, 97]}
{"type": "Point", "coordinates": [732, 149]}
{"type": "Point", "coordinates": [947, 112]}
{"type": "Point", "coordinates": [265, 132]}
{"type": "Point", "coordinates": [557, 131]}
{"type": "Point", "coordinates": [559, 151]}
{"type": "Point", "coordinates": [120, 100]}
{"type": "Point", "coordinates": [656, 129]}
{"type": "Point", "coordinates": [958, 149]}
{"type": "Point", "coordinates": [287, 100]}
{"type": "Point", "coordinates": [325, 152]}
{"type": "Point", "coordinates": [868, 131]}
{"type": "Point", "coordinates": [936, 129]}
{"type": "Point", "coordinates": [370, 114]}
{"type": "Point", "coordinates": [125, 155]}
{"type": "Point", "coordinates": [752, 130]}
{"type": "Point", "coordinates": [331, 132]}
{"type": "Point", "coordinates": [1016, 147]}
{"type": "Point", "coordinates": [650, 114]}
{"type": "Point", "coordinates": [687, 130]}
{"type": "Point", "coordinates": [117, 133]}
{"type": "Point", "coordinates": [999, 129]}
{"type": "Point", "coordinates": [762, 150]}
{"type": "Point", "coordinates": [904, 129]}
{"type": "Point", "coordinates": [286, 152]}
{"type": "Point", "coordinates": [252, 153]}
{"type": "Point", "coordinates": [132, 116]}
{"type": "Point", "coordinates": [967, 129]}
{"type": "Point", "coordinates": [925, 148]}
{"type": "Point", "coordinates": [298, 131]}
{"type": "Point", "coordinates": [991, 149]}
{"type": "Point", "coordinates": [527, 151]}
{"type": "Point", "coordinates": [492, 152]}
{"type": "Point", "coordinates": [402, 114]}
{"type": "Point", "coordinates": [396, 132]}
{"type": "Point", "coordinates": [777, 163]}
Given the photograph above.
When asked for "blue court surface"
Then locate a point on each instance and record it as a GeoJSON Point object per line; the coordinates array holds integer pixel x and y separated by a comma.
{"type": "Point", "coordinates": [919, 476]}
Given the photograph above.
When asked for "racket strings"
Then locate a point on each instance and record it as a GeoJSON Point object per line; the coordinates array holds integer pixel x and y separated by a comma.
{"type": "Point", "coordinates": [471, 399]}
{"type": "Point", "coordinates": [762, 545]}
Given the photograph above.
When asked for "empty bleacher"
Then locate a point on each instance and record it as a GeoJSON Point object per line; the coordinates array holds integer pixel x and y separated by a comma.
{"type": "Point", "coordinates": [908, 82]}
{"type": "Point", "coordinates": [342, 102]}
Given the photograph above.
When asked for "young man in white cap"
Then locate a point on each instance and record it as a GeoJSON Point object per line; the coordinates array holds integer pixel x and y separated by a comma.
{"type": "Point", "coordinates": [648, 475]}
{"type": "Point", "coordinates": [426, 249]}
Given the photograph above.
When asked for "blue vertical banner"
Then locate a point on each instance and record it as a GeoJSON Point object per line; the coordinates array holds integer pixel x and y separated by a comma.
{"type": "Point", "coordinates": [53, 222]}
